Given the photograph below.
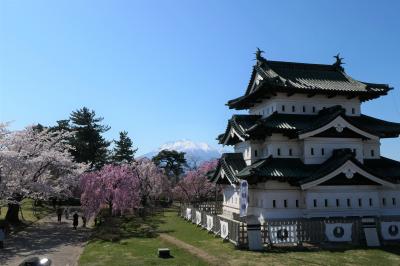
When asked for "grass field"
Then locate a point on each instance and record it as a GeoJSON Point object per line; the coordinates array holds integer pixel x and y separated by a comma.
{"type": "Point", "coordinates": [132, 242]}
{"type": "Point", "coordinates": [27, 212]}
{"type": "Point", "coordinates": [138, 245]}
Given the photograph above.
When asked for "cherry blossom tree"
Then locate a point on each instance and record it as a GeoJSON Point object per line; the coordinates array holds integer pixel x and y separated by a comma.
{"type": "Point", "coordinates": [115, 186]}
{"type": "Point", "coordinates": [194, 186]}
{"type": "Point", "coordinates": [35, 163]}
{"type": "Point", "coordinates": [123, 188]}
{"type": "Point", "coordinates": [154, 184]}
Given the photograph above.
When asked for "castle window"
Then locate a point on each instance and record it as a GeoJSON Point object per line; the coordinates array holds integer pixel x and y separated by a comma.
{"type": "Point", "coordinates": [312, 151]}
{"type": "Point", "coordinates": [348, 203]}
{"type": "Point", "coordinates": [326, 203]}
{"type": "Point", "coordinates": [372, 153]}
{"type": "Point", "coordinates": [353, 110]}
{"type": "Point", "coordinates": [337, 203]}
{"type": "Point", "coordinates": [383, 201]}
{"type": "Point", "coordinates": [297, 203]}
{"type": "Point", "coordinates": [279, 152]}
{"type": "Point", "coordinates": [285, 203]}
{"type": "Point", "coordinates": [323, 151]}
{"type": "Point", "coordinates": [304, 109]}
{"type": "Point", "coordinates": [313, 109]}
{"type": "Point", "coordinates": [370, 202]}
{"type": "Point", "coordinates": [255, 153]}
{"type": "Point", "coordinates": [283, 108]}
{"type": "Point", "coordinates": [274, 204]}
{"type": "Point", "coordinates": [315, 203]}
{"type": "Point", "coordinates": [359, 202]}
{"type": "Point", "coordinates": [293, 108]}
{"type": "Point", "coordinates": [394, 201]}
{"type": "Point", "coordinates": [290, 152]}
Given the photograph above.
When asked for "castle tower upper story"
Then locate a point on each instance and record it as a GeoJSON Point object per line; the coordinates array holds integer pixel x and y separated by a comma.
{"type": "Point", "coordinates": [305, 111]}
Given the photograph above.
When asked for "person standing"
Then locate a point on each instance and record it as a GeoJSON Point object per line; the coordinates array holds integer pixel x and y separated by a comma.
{"type": "Point", "coordinates": [75, 218]}
{"type": "Point", "coordinates": [83, 221]}
{"type": "Point", "coordinates": [2, 237]}
{"type": "Point", "coordinates": [66, 210]}
{"type": "Point", "coordinates": [59, 214]}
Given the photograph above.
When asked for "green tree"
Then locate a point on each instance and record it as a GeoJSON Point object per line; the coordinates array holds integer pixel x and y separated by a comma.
{"type": "Point", "coordinates": [88, 144]}
{"type": "Point", "coordinates": [62, 125]}
{"type": "Point", "coordinates": [123, 150]}
{"type": "Point", "coordinates": [172, 162]}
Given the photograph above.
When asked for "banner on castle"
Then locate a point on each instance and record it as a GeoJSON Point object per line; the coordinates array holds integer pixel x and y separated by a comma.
{"type": "Point", "coordinates": [198, 217]}
{"type": "Point", "coordinates": [188, 214]}
{"type": "Point", "coordinates": [390, 230]}
{"type": "Point", "coordinates": [244, 190]}
{"type": "Point", "coordinates": [210, 222]}
{"type": "Point", "coordinates": [338, 232]}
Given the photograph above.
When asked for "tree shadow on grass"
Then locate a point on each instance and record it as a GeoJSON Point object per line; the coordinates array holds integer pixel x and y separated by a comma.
{"type": "Point", "coordinates": [114, 229]}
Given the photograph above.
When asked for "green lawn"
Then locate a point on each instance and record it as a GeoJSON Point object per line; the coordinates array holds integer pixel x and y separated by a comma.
{"type": "Point", "coordinates": [198, 237]}
{"type": "Point", "coordinates": [132, 242]}
{"type": "Point", "coordinates": [138, 246]}
{"type": "Point", "coordinates": [27, 213]}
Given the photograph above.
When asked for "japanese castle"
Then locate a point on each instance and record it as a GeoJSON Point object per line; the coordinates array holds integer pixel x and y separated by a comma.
{"type": "Point", "coordinates": [305, 149]}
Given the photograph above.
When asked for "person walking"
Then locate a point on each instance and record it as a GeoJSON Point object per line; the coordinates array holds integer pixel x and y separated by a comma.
{"type": "Point", "coordinates": [2, 237]}
{"type": "Point", "coordinates": [66, 212]}
{"type": "Point", "coordinates": [83, 221]}
{"type": "Point", "coordinates": [59, 214]}
{"type": "Point", "coordinates": [75, 218]}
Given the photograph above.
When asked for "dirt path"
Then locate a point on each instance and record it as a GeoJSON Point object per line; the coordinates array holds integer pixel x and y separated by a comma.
{"type": "Point", "coordinates": [58, 242]}
{"type": "Point", "coordinates": [212, 260]}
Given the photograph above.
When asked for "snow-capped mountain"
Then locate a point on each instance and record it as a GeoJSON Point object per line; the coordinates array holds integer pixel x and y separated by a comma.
{"type": "Point", "coordinates": [195, 152]}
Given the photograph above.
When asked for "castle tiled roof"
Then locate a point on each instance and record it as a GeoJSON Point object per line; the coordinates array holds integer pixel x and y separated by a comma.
{"type": "Point", "coordinates": [312, 79]}
{"type": "Point", "coordinates": [294, 171]}
{"type": "Point", "coordinates": [231, 164]}
{"type": "Point", "coordinates": [253, 127]}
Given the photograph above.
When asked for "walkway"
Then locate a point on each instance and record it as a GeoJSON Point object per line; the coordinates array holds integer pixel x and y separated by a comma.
{"type": "Point", "coordinates": [58, 242]}
{"type": "Point", "coordinates": [210, 259]}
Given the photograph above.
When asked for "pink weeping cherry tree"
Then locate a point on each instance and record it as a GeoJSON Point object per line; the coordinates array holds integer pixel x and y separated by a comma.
{"type": "Point", "coordinates": [114, 186]}
{"type": "Point", "coordinates": [154, 184]}
{"type": "Point", "coordinates": [195, 186]}
{"type": "Point", "coordinates": [122, 188]}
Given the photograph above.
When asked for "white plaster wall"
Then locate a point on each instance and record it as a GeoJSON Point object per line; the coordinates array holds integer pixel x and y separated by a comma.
{"type": "Point", "coordinates": [371, 145]}
{"type": "Point", "coordinates": [329, 144]}
{"type": "Point", "coordinates": [246, 149]}
{"type": "Point", "coordinates": [302, 148]}
{"type": "Point", "coordinates": [300, 100]}
{"type": "Point", "coordinates": [252, 151]}
{"type": "Point", "coordinates": [354, 194]}
{"type": "Point", "coordinates": [284, 144]}
{"type": "Point", "coordinates": [230, 200]}
{"type": "Point", "coordinates": [262, 195]}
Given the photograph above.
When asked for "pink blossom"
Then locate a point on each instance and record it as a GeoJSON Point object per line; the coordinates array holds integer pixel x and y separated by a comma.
{"type": "Point", "coordinates": [195, 185]}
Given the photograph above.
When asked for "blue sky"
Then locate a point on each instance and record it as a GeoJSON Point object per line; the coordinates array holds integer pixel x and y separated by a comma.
{"type": "Point", "coordinates": [163, 70]}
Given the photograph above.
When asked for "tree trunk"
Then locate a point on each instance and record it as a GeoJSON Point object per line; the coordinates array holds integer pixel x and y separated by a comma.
{"type": "Point", "coordinates": [110, 209]}
{"type": "Point", "coordinates": [12, 214]}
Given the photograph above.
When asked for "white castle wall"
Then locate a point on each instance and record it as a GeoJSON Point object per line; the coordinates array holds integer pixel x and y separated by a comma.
{"type": "Point", "coordinates": [275, 200]}
{"type": "Point", "coordinates": [230, 200]}
{"type": "Point", "coordinates": [302, 104]}
{"type": "Point", "coordinates": [311, 150]}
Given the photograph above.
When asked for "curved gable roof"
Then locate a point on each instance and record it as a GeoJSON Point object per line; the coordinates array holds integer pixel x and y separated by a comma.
{"type": "Point", "coordinates": [304, 78]}
{"type": "Point", "coordinates": [294, 125]}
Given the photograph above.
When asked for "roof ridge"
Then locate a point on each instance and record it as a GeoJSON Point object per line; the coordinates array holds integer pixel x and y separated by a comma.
{"type": "Point", "coordinates": [308, 65]}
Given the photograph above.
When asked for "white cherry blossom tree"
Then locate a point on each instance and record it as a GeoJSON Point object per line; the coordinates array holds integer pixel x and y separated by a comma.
{"type": "Point", "coordinates": [35, 163]}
